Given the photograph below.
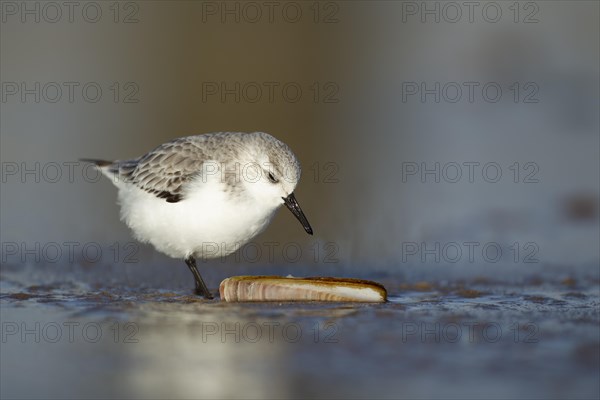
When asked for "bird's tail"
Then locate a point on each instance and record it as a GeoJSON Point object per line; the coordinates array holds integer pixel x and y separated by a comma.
{"type": "Point", "coordinates": [98, 162]}
{"type": "Point", "coordinates": [115, 170]}
{"type": "Point", "coordinates": [108, 168]}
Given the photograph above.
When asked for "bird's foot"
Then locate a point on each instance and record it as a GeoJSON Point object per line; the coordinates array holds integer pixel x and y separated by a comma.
{"type": "Point", "coordinates": [206, 294]}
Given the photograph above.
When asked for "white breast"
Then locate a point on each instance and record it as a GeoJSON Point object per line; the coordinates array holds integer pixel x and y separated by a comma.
{"type": "Point", "coordinates": [207, 223]}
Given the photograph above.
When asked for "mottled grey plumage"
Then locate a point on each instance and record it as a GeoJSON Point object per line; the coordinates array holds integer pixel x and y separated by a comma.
{"type": "Point", "coordinates": [165, 170]}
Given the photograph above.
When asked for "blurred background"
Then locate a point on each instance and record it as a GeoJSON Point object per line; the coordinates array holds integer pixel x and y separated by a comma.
{"type": "Point", "coordinates": [440, 141]}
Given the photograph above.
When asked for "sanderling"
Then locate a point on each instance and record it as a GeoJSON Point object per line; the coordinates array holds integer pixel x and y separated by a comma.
{"type": "Point", "coordinates": [206, 195]}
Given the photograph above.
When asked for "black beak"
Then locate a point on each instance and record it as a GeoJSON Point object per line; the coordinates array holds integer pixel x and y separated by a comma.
{"type": "Point", "coordinates": [292, 204]}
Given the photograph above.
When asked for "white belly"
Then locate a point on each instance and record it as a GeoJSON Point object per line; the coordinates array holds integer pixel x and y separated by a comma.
{"type": "Point", "coordinates": [206, 224]}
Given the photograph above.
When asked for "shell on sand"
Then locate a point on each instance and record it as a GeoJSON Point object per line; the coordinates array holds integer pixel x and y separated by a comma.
{"type": "Point", "coordinates": [279, 288]}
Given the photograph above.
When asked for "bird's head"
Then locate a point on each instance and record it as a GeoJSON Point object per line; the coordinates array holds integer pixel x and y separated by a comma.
{"type": "Point", "coordinates": [271, 175]}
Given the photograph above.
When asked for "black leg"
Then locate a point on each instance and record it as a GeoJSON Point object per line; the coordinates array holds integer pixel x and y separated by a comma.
{"type": "Point", "coordinates": [201, 289]}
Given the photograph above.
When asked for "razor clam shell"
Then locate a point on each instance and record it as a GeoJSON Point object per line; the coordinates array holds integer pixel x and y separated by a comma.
{"type": "Point", "coordinates": [279, 288]}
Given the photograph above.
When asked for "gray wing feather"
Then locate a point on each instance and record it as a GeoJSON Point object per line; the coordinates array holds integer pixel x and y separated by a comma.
{"type": "Point", "coordinates": [165, 170]}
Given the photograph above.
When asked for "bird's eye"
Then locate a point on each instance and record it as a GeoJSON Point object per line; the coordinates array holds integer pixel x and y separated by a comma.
{"type": "Point", "coordinates": [272, 178]}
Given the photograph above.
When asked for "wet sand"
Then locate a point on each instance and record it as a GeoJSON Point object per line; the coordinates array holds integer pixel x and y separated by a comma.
{"type": "Point", "coordinates": [139, 332]}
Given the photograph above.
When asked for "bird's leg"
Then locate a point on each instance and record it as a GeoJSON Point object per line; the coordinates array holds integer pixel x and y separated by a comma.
{"type": "Point", "coordinates": [201, 288]}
